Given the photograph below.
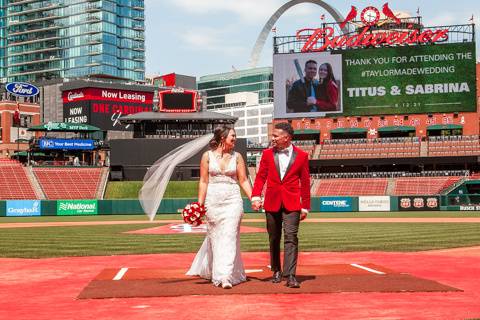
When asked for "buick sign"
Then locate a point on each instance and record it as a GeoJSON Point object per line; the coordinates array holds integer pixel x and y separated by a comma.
{"type": "Point", "coordinates": [22, 89]}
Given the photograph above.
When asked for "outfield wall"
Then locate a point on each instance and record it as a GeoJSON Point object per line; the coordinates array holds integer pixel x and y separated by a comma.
{"type": "Point", "coordinates": [28, 208]}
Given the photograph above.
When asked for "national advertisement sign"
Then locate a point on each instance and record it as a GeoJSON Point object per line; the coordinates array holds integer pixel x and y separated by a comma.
{"type": "Point", "coordinates": [23, 208]}
{"type": "Point", "coordinates": [393, 80]}
{"type": "Point", "coordinates": [338, 204]}
{"type": "Point", "coordinates": [374, 203]}
{"type": "Point", "coordinates": [76, 207]}
{"type": "Point", "coordinates": [418, 203]}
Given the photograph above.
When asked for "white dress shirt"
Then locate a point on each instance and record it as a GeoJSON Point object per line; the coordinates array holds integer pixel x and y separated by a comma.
{"type": "Point", "coordinates": [284, 157]}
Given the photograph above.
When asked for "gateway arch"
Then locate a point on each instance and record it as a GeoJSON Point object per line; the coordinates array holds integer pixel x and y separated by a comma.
{"type": "Point", "coordinates": [262, 37]}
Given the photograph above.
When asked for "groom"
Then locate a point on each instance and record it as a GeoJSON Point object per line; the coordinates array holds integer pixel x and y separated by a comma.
{"type": "Point", "coordinates": [287, 199]}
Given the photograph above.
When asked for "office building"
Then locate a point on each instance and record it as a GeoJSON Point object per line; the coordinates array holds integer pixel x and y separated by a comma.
{"type": "Point", "coordinates": [216, 86]}
{"type": "Point", "coordinates": [50, 39]}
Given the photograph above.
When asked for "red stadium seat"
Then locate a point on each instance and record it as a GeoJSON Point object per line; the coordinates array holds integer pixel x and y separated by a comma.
{"type": "Point", "coordinates": [351, 187]}
{"type": "Point", "coordinates": [14, 183]}
{"type": "Point", "coordinates": [423, 185]}
{"type": "Point", "coordinates": [69, 183]}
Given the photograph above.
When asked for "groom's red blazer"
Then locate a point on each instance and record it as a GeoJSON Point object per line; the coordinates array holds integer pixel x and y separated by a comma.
{"type": "Point", "coordinates": [293, 191]}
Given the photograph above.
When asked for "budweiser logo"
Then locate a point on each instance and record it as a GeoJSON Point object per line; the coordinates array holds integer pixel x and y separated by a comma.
{"type": "Point", "coordinates": [75, 95]}
{"type": "Point", "coordinates": [326, 37]}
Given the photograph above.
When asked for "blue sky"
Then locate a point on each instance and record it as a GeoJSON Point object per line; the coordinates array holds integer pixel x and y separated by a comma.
{"type": "Point", "coordinates": [201, 37]}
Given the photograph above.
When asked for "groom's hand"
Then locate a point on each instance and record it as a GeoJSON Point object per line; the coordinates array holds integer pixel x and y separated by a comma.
{"type": "Point", "coordinates": [256, 205]}
{"type": "Point", "coordinates": [303, 214]}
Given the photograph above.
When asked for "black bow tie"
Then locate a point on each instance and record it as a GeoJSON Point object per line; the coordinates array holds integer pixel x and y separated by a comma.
{"type": "Point", "coordinates": [284, 151]}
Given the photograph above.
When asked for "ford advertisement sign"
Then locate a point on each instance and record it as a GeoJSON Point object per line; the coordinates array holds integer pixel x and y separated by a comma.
{"type": "Point", "coordinates": [22, 89]}
{"type": "Point", "coordinates": [329, 204]}
{"type": "Point", "coordinates": [23, 208]}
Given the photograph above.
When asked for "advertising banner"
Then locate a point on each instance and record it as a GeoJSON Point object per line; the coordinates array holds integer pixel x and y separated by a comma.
{"type": "Point", "coordinates": [470, 207]}
{"type": "Point", "coordinates": [67, 144]}
{"type": "Point", "coordinates": [23, 208]}
{"type": "Point", "coordinates": [380, 203]}
{"type": "Point", "coordinates": [76, 207]}
{"type": "Point", "coordinates": [337, 204]}
{"type": "Point", "coordinates": [103, 107]}
{"type": "Point", "coordinates": [418, 203]}
{"type": "Point", "coordinates": [77, 112]}
{"type": "Point", "coordinates": [403, 79]}
{"type": "Point", "coordinates": [22, 89]}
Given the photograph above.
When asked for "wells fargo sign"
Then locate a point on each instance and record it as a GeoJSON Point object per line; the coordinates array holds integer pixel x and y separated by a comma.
{"type": "Point", "coordinates": [321, 39]}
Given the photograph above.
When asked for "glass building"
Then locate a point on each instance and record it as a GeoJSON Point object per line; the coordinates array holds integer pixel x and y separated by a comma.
{"type": "Point", "coordinates": [245, 94]}
{"type": "Point", "coordinates": [216, 86]}
{"type": "Point", "coordinates": [48, 39]}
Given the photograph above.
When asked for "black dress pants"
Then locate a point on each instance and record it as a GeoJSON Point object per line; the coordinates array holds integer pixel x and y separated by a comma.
{"type": "Point", "coordinates": [290, 222]}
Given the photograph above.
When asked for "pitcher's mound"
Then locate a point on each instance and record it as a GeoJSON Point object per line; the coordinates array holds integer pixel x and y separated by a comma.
{"type": "Point", "coordinates": [129, 283]}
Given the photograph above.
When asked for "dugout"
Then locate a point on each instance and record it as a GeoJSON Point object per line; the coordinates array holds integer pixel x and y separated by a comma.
{"type": "Point", "coordinates": [157, 133]}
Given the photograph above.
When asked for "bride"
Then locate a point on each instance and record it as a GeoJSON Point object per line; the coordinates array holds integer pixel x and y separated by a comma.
{"type": "Point", "coordinates": [222, 171]}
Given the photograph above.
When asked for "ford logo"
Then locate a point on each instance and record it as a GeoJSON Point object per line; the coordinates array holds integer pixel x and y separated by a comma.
{"type": "Point", "coordinates": [22, 89]}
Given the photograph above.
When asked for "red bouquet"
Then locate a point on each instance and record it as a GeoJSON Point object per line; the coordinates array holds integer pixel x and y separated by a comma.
{"type": "Point", "coordinates": [193, 213]}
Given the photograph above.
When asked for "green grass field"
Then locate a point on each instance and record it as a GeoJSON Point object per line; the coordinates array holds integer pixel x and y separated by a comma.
{"type": "Point", "coordinates": [129, 189]}
{"type": "Point", "coordinates": [42, 242]}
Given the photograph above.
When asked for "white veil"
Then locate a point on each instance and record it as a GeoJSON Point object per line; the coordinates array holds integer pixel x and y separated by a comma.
{"type": "Point", "coordinates": [158, 175]}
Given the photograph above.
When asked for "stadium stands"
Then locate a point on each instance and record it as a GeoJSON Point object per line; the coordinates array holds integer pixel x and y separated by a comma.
{"type": "Point", "coordinates": [442, 146]}
{"type": "Point", "coordinates": [329, 185]}
{"type": "Point", "coordinates": [14, 183]}
{"type": "Point", "coordinates": [370, 148]}
{"type": "Point", "coordinates": [306, 145]}
{"type": "Point", "coordinates": [423, 185]}
{"type": "Point", "coordinates": [351, 187]}
{"type": "Point", "coordinates": [69, 183]}
{"type": "Point", "coordinates": [475, 176]}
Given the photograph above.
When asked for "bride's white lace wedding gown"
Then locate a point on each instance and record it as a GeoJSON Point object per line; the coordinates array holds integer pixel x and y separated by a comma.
{"type": "Point", "coordinates": [219, 257]}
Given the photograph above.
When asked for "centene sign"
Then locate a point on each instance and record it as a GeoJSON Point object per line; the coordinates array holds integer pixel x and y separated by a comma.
{"type": "Point", "coordinates": [326, 36]}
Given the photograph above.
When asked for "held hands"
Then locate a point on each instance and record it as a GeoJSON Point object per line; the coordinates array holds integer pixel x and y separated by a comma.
{"type": "Point", "coordinates": [256, 205]}
{"type": "Point", "coordinates": [311, 101]}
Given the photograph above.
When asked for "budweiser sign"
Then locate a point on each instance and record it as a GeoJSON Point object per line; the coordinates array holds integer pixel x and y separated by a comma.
{"type": "Point", "coordinates": [323, 38]}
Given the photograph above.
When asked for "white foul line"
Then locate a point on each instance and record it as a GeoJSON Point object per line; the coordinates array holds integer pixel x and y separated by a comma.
{"type": "Point", "coordinates": [365, 268]}
{"type": "Point", "coordinates": [120, 274]}
{"type": "Point", "coordinates": [253, 270]}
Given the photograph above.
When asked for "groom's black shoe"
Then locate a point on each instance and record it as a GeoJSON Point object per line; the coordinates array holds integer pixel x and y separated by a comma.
{"type": "Point", "coordinates": [277, 277]}
{"type": "Point", "coordinates": [292, 282]}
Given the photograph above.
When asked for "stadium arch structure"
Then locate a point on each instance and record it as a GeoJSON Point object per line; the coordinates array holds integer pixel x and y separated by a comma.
{"type": "Point", "coordinates": [262, 37]}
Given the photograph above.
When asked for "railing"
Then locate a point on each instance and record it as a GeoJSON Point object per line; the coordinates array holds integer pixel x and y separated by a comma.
{"type": "Point", "coordinates": [387, 174]}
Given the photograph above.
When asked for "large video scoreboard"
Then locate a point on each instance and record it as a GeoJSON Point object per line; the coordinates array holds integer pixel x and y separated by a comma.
{"type": "Point", "coordinates": [407, 79]}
